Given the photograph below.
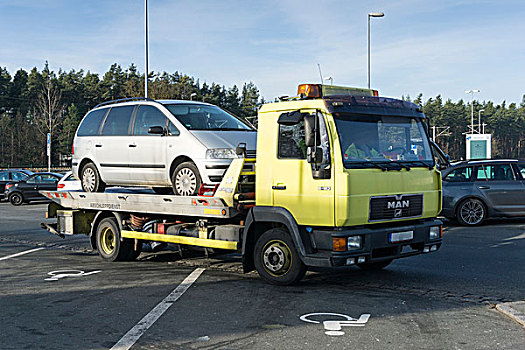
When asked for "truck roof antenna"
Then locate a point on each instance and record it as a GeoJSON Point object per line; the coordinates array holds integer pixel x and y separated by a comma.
{"type": "Point", "coordinates": [320, 75]}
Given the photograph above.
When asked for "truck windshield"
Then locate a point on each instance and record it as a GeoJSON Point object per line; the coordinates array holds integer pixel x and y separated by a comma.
{"type": "Point", "coordinates": [205, 117]}
{"type": "Point", "coordinates": [377, 140]}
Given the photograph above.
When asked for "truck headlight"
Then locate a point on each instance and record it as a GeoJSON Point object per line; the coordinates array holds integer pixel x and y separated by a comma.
{"type": "Point", "coordinates": [221, 153]}
{"type": "Point", "coordinates": [435, 232]}
{"type": "Point", "coordinates": [354, 242]}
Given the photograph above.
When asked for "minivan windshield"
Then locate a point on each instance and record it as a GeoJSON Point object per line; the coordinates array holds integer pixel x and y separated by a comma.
{"type": "Point", "coordinates": [379, 141]}
{"type": "Point", "coordinates": [206, 117]}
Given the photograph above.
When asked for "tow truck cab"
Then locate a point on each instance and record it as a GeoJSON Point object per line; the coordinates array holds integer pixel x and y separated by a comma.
{"type": "Point", "coordinates": [343, 164]}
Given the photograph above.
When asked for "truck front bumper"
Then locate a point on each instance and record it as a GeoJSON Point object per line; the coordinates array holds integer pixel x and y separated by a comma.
{"type": "Point", "coordinates": [378, 243]}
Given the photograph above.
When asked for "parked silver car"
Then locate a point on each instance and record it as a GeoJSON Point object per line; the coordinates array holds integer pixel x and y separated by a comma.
{"type": "Point", "coordinates": [475, 190]}
{"type": "Point", "coordinates": [162, 144]}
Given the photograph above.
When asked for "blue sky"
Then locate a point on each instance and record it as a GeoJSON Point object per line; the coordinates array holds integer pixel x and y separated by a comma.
{"type": "Point", "coordinates": [433, 47]}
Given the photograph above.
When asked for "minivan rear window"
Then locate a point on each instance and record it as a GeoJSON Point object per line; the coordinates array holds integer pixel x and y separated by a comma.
{"type": "Point", "coordinates": [91, 123]}
{"type": "Point", "coordinates": [117, 122]}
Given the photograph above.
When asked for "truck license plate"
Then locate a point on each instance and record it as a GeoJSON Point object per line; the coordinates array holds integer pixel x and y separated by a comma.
{"type": "Point", "coordinates": [396, 237]}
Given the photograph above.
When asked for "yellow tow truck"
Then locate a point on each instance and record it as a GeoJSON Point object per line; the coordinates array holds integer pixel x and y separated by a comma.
{"type": "Point", "coordinates": [342, 177]}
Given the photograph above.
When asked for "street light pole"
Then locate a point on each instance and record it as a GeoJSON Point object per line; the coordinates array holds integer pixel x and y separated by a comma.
{"type": "Point", "coordinates": [472, 112]}
{"type": "Point", "coordinates": [372, 14]}
{"type": "Point", "coordinates": [331, 80]}
{"type": "Point", "coordinates": [146, 37]}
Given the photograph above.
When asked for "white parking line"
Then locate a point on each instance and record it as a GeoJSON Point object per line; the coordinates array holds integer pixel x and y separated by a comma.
{"type": "Point", "coordinates": [21, 253]}
{"type": "Point", "coordinates": [147, 321]}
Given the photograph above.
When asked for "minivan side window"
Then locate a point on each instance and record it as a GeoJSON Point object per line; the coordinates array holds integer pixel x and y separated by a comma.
{"type": "Point", "coordinates": [91, 123]}
{"type": "Point", "coordinates": [459, 175]}
{"type": "Point", "coordinates": [148, 116]}
{"type": "Point", "coordinates": [117, 122]}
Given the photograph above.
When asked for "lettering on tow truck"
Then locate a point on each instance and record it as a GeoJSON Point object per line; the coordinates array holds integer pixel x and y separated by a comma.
{"type": "Point", "coordinates": [104, 206]}
{"type": "Point", "coordinates": [398, 204]}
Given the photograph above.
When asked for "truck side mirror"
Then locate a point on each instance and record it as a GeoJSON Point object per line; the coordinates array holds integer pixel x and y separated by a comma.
{"type": "Point", "coordinates": [156, 130]}
{"type": "Point", "coordinates": [312, 136]}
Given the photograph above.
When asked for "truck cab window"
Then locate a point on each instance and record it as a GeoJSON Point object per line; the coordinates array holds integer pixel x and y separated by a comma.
{"type": "Point", "coordinates": [291, 143]}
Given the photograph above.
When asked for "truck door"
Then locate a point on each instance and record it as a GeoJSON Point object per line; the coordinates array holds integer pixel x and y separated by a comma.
{"type": "Point", "coordinates": [310, 200]}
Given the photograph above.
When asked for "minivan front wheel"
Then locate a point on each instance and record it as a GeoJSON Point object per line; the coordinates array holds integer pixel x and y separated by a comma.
{"type": "Point", "coordinates": [90, 179]}
{"type": "Point", "coordinates": [186, 179]}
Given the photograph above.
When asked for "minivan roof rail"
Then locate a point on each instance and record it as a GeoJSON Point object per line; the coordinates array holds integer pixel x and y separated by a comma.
{"type": "Point", "coordinates": [124, 100]}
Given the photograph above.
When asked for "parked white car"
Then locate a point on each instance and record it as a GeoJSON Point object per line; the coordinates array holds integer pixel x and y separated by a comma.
{"type": "Point", "coordinates": [162, 144]}
{"type": "Point", "coordinates": [69, 183]}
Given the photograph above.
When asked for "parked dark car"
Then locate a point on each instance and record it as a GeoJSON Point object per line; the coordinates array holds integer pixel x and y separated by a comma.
{"type": "Point", "coordinates": [11, 175]}
{"type": "Point", "coordinates": [27, 189]}
{"type": "Point", "coordinates": [475, 190]}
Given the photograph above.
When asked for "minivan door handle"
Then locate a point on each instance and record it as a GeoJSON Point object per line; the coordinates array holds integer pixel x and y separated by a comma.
{"type": "Point", "coordinates": [98, 145]}
{"type": "Point", "coordinates": [484, 187]}
{"type": "Point", "coordinates": [279, 187]}
{"type": "Point", "coordinates": [132, 145]}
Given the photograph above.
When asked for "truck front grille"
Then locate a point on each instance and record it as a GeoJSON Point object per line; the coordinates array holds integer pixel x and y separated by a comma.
{"type": "Point", "coordinates": [395, 207]}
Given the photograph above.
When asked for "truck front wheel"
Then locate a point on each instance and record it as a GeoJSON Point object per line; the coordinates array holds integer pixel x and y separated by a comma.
{"type": "Point", "coordinates": [109, 245]}
{"type": "Point", "coordinates": [276, 259]}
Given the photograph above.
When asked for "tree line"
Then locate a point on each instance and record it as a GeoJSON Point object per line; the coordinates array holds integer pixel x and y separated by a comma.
{"type": "Point", "coordinates": [35, 103]}
{"type": "Point", "coordinates": [505, 123]}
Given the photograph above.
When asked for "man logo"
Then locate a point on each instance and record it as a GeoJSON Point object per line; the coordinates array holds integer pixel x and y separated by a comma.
{"type": "Point", "coordinates": [398, 213]}
{"type": "Point", "coordinates": [398, 204]}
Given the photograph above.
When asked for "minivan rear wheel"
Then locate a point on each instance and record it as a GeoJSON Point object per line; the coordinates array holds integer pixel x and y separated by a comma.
{"type": "Point", "coordinates": [186, 179]}
{"type": "Point", "coordinates": [90, 179]}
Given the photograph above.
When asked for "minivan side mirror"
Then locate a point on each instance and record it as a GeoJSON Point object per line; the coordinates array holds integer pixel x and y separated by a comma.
{"type": "Point", "coordinates": [156, 130]}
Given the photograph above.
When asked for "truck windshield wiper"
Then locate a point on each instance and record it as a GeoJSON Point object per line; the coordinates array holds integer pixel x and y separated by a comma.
{"type": "Point", "coordinates": [401, 164]}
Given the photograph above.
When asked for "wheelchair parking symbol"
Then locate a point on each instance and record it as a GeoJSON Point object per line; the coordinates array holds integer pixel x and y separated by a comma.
{"type": "Point", "coordinates": [333, 327]}
{"type": "Point", "coordinates": [56, 275]}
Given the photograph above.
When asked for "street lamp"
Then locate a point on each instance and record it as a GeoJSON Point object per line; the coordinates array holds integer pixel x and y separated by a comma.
{"type": "Point", "coordinates": [146, 47]}
{"type": "Point", "coordinates": [371, 14]}
{"type": "Point", "coordinates": [479, 120]}
{"type": "Point", "coordinates": [472, 113]}
{"type": "Point", "coordinates": [192, 94]}
{"type": "Point", "coordinates": [331, 80]}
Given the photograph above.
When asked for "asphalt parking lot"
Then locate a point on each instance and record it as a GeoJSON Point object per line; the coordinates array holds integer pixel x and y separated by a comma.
{"type": "Point", "coordinates": [58, 294]}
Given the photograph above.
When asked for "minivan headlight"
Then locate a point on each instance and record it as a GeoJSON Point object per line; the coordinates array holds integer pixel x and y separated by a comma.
{"type": "Point", "coordinates": [221, 153]}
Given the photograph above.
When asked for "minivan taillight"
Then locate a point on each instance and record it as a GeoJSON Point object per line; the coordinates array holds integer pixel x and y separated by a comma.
{"type": "Point", "coordinates": [72, 149]}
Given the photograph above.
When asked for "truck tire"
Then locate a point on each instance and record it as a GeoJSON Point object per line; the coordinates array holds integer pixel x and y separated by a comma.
{"type": "Point", "coordinates": [471, 212]}
{"type": "Point", "coordinates": [90, 179]}
{"type": "Point", "coordinates": [375, 266]}
{"type": "Point", "coordinates": [276, 259]}
{"type": "Point", "coordinates": [186, 179]}
{"type": "Point", "coordinates": [109, 245]}
{"type": "Point", "coordinates": [16, 198]}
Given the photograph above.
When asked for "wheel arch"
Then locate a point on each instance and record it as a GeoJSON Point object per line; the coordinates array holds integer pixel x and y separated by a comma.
{"type": "Point", "coordinates": [179, 160]}
{"type": "Point", "coordinates": [259, 220]}
{"type": "Point", "coordinates": [85, 161]}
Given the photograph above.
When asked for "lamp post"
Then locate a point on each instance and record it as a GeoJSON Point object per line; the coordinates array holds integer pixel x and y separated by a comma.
{"type": "Point", "coordinates": [472, 105]}
{"type": "Point", "coordinates": [192, 94]}
{"type": "Point", "coordinates": [146, 48]}
{"type": "Point", "coordinates": [371, 14]}
{"type": "Point", "coordinates": [479, 120]}
{"type": "Point", "coordinates": [331, 80]}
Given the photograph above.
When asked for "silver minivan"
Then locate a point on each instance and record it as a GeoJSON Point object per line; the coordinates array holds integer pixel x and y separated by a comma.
{"type": "Point", "coordinates": [163, 144]}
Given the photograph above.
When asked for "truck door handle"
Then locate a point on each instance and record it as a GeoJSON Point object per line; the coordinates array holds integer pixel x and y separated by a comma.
{"type": "Point", "coordinates": [98, 145]}
{"type": "Point", "coordinates": [132, 145]}
{"type": "Point", "coordinates": [484, 187]}
{"type": "Point", "coordinates": [279, 187]}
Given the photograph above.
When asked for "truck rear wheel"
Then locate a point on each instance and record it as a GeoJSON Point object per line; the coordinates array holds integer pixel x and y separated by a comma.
{"type": "Point", "coordinates": [109, 245]}
{"type": "Point", "coordinates": [276, 259]}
